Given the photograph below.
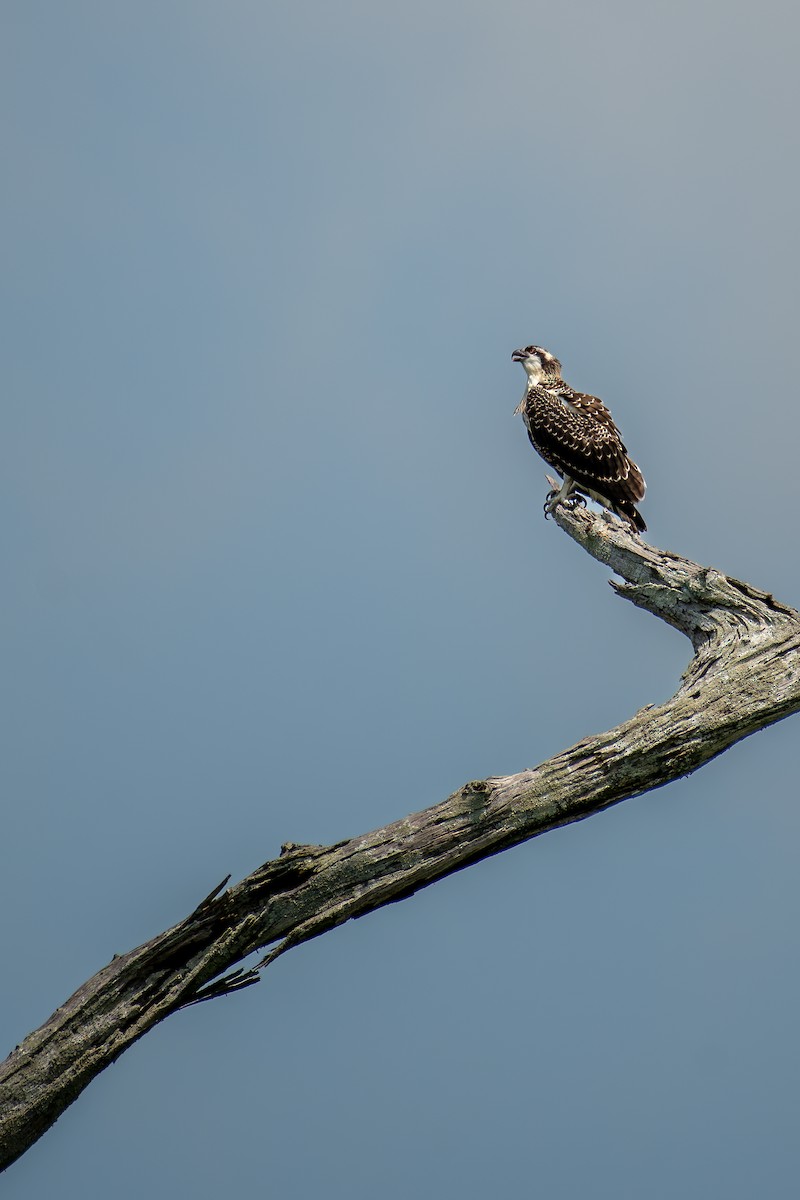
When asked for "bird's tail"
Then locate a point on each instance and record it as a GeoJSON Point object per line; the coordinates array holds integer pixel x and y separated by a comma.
{"type": "Point", "coordinates": [630, 513]}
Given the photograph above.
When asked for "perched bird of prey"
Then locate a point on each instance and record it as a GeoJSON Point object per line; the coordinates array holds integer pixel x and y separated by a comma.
{"type": "Point", "coordinates": [574, 433]}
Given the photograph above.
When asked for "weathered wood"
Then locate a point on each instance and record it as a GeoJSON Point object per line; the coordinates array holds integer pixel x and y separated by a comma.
{"type": "Point", "coordinates": [743, 676]}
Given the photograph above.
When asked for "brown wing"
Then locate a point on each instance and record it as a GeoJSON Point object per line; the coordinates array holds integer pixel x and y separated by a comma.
{"type": "Point", "coordinates": [586, 405]}
{"type": "Point", "coordinates": [580, 439]}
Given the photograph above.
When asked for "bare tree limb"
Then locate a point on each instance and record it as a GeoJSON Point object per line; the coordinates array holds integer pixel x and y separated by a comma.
{"type": "Point", "coordinates": [743, 676]}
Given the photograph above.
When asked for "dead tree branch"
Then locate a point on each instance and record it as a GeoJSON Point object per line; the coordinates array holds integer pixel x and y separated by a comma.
{"type": "Point", "coordinates": [743, 676]}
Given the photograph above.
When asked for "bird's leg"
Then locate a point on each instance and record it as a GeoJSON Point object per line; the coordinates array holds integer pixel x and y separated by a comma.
{"type": "Point", "coordinates": [562, 495]}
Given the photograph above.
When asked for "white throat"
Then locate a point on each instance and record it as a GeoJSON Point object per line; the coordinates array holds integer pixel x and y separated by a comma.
{"type": "Point", "coordinates": [534, 372]}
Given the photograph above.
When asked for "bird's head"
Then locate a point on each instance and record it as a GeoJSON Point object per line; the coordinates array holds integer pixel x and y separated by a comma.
{"type": "Point", "coordinates": [540, 366]}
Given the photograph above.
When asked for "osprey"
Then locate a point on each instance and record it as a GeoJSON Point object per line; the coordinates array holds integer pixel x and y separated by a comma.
{"type": "Point", "coordinates": [575, 434]}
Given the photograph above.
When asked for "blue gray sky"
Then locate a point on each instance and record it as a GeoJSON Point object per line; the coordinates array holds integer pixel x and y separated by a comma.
{"type": "Point", "coordinates": [276, 569]}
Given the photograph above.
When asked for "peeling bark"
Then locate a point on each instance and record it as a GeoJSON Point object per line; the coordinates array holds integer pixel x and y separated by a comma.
{"type": "Point", "coordinates": [743, 676]}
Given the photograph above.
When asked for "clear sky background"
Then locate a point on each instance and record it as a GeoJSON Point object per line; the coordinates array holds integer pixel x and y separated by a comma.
{"type": "Point", "coordinates": [275, 568]}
